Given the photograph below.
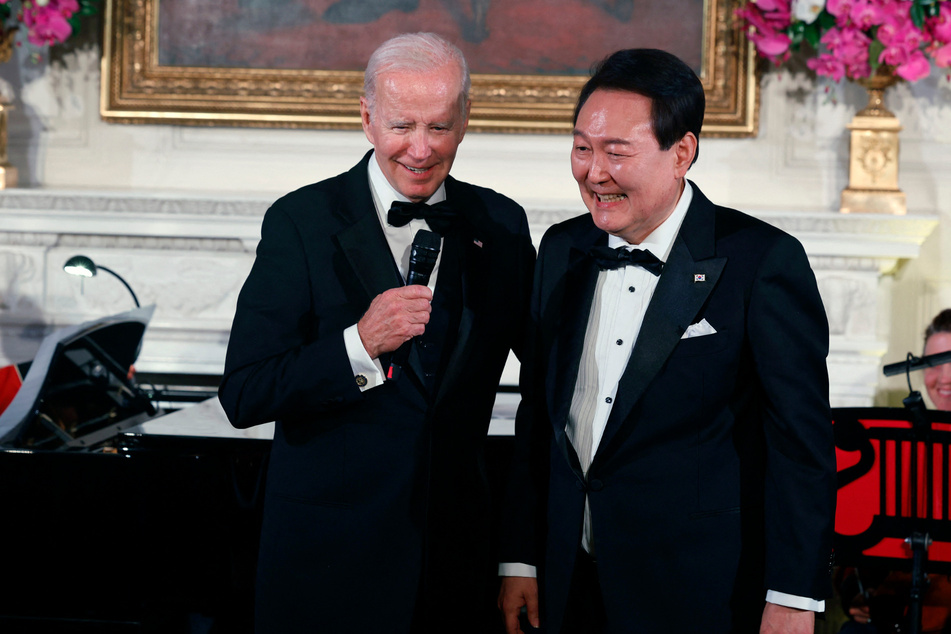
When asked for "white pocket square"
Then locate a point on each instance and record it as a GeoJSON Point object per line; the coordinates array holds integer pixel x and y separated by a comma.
{"type": "Point", "coordinates": [699, 329]}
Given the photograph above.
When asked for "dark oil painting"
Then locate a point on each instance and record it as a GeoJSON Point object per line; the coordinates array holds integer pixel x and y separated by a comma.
{"type": "Point", "coordinates": [508, 37]}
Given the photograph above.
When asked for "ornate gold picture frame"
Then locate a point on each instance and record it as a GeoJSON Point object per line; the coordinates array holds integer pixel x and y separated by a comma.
{"type": "Point", "coordinates": [138, 86]}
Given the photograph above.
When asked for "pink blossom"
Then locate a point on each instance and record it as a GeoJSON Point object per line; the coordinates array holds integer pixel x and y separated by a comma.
{"type": "Point", "coordinates": [900, 33]}
{"type": "Point", "coordinates": [827, 66]}
{"type": "Point", "coordinates": [942, 55]}
{"type": "Point", "coordinates": [940, 26]}
{"type": "Point", "coordinates": [840, 9]}
{"type": "Point", "coordinates": [773, 5]}
{"type": "Point", "coordinates": [917, 67]}
{"type": "Point", "coordinates": [48, 24]}
{"type": "Point", "coordinates": [849, 43]}
{"type": "Point", "coordinates": [896, 12]}
{"type": "Point", "coordinates": [866, 14]}
{"type": "Point", "coordinates": [769, 41]}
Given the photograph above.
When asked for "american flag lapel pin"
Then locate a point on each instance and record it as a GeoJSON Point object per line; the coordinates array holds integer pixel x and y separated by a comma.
{"type": "Point", "coordinates": [477, 242]}
{"type": "Point", "coordinates": [699, 277]}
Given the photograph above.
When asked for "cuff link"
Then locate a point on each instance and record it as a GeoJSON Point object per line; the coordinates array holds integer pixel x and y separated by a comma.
{"type": "Point", "coordinates": [361, 380]}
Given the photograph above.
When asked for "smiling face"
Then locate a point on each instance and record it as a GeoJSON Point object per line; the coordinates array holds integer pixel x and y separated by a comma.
{"type": "Point", "coordinates": [415, 126]}
{"type": "Point", "coordinates": [938, 379]}
{"type": "Point", "coordinates": [628, 183]}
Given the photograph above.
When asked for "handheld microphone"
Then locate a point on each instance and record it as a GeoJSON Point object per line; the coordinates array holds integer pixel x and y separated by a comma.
{"type": "Point", "coordinates": [422, 257]}
{"type": "Point", "coordinates": [422, 260]}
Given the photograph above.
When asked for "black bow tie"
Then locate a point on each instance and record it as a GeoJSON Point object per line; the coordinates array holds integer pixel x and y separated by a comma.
{"type": "Point", "coordinates": [608, 258]}
{"type": "Point", "coordinates": [440, 217]}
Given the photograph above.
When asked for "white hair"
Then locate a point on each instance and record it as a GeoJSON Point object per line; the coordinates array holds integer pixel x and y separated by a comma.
{"type": "Point", "coordinates": [415, 53]}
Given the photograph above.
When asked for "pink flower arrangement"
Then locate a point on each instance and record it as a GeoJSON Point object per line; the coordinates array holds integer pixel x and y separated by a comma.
{"type": "Point", "coordinates": [852, 38]}
{"type": "Point", "coordinates": [47, 22]}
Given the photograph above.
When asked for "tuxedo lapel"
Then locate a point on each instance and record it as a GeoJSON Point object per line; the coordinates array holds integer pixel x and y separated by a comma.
{"type": "Point", "coordinates": [684, 286]}
{"type": "Point", "coordinates": [468, 239]}
{"type": "Point", "coordinates": [361, 240]}
{"type": "Point", "coordinates": [581, 279]}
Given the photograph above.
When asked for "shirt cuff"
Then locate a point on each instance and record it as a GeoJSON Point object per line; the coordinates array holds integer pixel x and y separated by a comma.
{"type": "Point", "coordinates": [517, 570]}
{"type": "Point", "coordinates": [367, 372]}
{"type": "Point", "coordinates": [793, 601]}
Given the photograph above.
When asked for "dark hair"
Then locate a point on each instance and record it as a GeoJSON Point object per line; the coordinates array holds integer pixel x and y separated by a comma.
{"type": "Point", "coordinates": [675, 91]}
{"type": "Point", "coordinates": [941, 323]}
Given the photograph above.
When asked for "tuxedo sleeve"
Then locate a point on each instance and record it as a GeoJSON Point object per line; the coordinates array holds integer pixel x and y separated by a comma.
{"type": "Point", "coordinates": [282, 362]}
{"type": "Point", "coordinates": [789, 338]}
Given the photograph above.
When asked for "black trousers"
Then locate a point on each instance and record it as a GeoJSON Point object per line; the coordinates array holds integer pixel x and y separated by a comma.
{"type": "Point", "coordinates": [584, 613]}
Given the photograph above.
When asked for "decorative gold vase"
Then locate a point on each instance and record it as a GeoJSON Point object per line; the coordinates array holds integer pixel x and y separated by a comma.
{"type": "Point", "coordinates": [873, 153]}
{"type": "Point", "coordinates": [8, 173]}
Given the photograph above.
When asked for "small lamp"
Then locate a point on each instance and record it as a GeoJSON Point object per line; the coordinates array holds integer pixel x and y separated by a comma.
{"type": "Point", "coordinates": [84, 267]}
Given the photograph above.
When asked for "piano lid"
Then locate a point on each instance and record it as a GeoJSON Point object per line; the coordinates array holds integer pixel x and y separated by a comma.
{"type": "Point", "coordinates": [78, 391]}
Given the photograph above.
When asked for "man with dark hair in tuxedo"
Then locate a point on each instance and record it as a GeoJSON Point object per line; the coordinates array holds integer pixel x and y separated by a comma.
{"type": "Point", "coordinates": [675, 466]}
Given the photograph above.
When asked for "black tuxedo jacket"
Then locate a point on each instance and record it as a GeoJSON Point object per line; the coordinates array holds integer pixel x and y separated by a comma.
{"type": "Point", "coordinates": [715, 477]}
{"type": "Point", "coordinates": [377, 501]}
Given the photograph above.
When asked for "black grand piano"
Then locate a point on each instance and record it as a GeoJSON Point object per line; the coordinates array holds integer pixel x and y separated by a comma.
{"type": "Point", "coordinates": [128, 502]}
{"type": "Point", "coordinates": [108, 529]}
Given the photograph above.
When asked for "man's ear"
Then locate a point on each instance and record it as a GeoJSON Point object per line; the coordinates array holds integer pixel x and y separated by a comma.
{"type": "Point", "coordinates": [685, 149]}
{"type": "Point", "coordinates": [465, 123]}
{"type": "Point", "coordinates": [365, 118]}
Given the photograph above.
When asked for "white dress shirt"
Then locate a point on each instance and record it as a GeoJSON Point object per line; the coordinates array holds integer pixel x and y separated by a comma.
{"type": "Point", "coordinates": [400, 241]}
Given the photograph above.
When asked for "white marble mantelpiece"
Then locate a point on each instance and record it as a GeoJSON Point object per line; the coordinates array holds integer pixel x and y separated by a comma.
{"type": "Point", "coordinates": [189, 255]}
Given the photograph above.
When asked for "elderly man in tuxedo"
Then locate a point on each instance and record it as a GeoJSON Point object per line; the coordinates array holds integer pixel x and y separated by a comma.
{"type": "Point", "coordinates": [675, 466]}
{"type": "Point", "coordinates": [377, 500]}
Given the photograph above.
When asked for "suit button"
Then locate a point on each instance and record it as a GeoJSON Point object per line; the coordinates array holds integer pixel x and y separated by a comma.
{"type": "Point", "coordinates": [596, 485]}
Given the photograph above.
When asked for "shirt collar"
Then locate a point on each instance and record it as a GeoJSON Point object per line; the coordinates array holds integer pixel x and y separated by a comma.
{"type": "Point", "coordinates": [661, 240]}
{"type": "Point", "coordinates": [384, 194]}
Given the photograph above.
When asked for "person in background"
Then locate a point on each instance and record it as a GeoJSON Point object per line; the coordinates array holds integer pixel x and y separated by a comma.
{"type": "Point", "coordinates": [938, 378]}
{"type": "Point", "coordinates": [884, 593]}
{"type": "Point", "coordinates": [376, 513]}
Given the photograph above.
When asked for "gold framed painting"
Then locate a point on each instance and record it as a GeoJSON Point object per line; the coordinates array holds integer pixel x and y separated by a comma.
{"type": "Point", "coordinates": [298, 63]}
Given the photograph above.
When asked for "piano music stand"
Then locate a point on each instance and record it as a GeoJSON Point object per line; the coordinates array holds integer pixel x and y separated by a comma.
{"type": "Point", "coordinates": [78, 391]}
{"type": "Point", "coordinates": [893, 492]}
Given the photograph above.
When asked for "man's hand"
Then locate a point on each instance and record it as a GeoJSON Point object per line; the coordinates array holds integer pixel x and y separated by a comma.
{"type": "Point", "coordinates": [394, 317]}
{"type": "Point", "coordinates": [780, 619]}
{"type": "Point", "coordinates": [516, 592]}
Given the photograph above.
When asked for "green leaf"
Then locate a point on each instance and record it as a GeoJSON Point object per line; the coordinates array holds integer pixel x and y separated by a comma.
{"type": "Point", "coordinates": [74, 23]}
{"type": "Point", "coordinates": [87, 10]}
{"type": "Point", "coordinates": [825, 21]}
{"type": "Point", "coordinates": [813, 34]}
{"type": "Point", "coordinates": [917, 14]}
{"type": "Point", "coordinates": [874, 52]}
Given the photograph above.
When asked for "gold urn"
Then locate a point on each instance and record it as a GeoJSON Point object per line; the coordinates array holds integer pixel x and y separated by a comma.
{"type": "Point", "coordinates": [873, 153]}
